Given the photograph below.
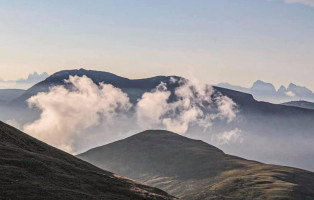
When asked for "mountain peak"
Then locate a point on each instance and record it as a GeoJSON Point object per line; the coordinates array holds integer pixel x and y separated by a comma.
{"type": "Point", "coordinates": [263, 88]}
{"type": "Point", "coordinates": [192, 169]}
{"type": "Point", "coordinates": [282, 90]}
{"type": "Point", "coordinates": [157, 134]}
{"type": "Point", "coordinates": [262, 83]}
{"type": "Point", "coordinates": [292, 85]}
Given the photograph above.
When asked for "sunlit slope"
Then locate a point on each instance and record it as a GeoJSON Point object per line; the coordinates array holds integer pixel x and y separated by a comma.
{"type": "Point", "coordinates": [192, 169]}
{"type": "Point", "coordinates": [30, 169]}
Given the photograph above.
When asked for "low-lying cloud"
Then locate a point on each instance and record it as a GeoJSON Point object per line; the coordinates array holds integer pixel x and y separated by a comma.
{"type": "Point", "coordinates": [66, 112]}
{"type": "Point", "coordinates": [227, 137]}
{"type": "Point", "coordinates": [194, 106]}
{"type": "Point", "coordinates": [290, 94]}
{"type": "Point", "coordinates": [83, 109]}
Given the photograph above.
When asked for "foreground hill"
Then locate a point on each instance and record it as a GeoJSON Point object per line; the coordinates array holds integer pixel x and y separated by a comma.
{"type": "Point", "coordinates": [300, 104]}
{"type": "Point", "coordinates": [192, 169]}
{"type": "Point", "coordinates": [30, 169]}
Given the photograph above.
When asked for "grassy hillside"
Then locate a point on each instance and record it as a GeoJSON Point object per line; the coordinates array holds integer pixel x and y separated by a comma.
{"type": "Point", "coordinates": [30, 169]}
{"type": "Point", "coordinates": [192, 169]}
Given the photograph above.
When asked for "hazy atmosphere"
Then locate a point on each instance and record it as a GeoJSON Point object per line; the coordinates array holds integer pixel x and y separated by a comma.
{"type": "Point", "coordinates": [156, 99]}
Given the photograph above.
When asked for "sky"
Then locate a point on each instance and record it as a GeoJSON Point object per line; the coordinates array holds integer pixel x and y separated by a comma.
{"type": "Point", "coordinates": [235, 41]}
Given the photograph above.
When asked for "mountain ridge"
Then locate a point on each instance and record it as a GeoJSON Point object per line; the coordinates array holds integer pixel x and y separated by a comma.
{"type": "Point", "coordinates": [266, 91]}
{"type": "Point", "coordinates": [300, 104]}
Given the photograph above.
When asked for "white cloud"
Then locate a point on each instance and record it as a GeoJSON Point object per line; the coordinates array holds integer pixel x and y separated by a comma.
{"type": "Point", "coordinates": [152, 106]}
{"type": "Point", "coordinates": [290, 94]}
{"type": "Point", "coordinates": [233, 136]}
{"type": "Point", "coordinates": [66, 112]}
{"type": "Point", "coordinates": [85, 114]}
{"type": "Point", "coordinates": [194, 106]}
{"type": "Point", "coordinates": [227, 108]}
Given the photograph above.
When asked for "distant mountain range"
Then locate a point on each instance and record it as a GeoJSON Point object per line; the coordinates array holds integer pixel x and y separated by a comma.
{"type": "Point", "coordinates": [31, 169]}
{"type": "Point", "coordinates": [23, 83]}
{"type": "Point", "coordinates": [266, 92]}
{"type": "Point", "coordinates": [283, 129]}
{"type": "Point", "coordinates": [192, 169]}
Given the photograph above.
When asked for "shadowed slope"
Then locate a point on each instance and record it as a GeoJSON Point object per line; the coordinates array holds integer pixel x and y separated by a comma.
{"type": "Point", "coordinates": [30, 169]}
{"type": "Point", "coordinates": [300, 104]}
{"type": "Point", "coordinates": [192, 169]}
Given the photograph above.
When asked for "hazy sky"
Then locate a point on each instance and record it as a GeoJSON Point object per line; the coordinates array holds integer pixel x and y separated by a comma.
{"type": "Point", "coordinates": [236, 41]}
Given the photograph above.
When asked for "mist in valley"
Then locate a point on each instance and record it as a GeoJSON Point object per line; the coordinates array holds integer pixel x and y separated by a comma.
{"type": "Point", "coordinates": [81, 115]}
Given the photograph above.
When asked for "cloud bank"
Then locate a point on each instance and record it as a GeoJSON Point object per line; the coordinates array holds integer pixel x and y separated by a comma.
{"type": "Point", "coordinates": [194, 106]}
{"type": "Point", "coordinates": [83, 110]}
{"type": "Point", "coordinates": [66, 112]}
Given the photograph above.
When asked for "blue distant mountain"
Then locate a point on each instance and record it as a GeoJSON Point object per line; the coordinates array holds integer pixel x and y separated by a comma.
{"type": "Point", "coordinates": [33, 78]}
{"type": "Point", "coordinates": [23, 83]}
{"type": "Point", "coordinates": [264, 91]}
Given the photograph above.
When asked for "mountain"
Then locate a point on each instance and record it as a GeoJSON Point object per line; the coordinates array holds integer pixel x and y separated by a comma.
{"type": "Point", "coordinates": [284, 129]}
{"type": "Point", "coordinates": [7, 95]}
{"type": "Point", "coordinates": [33, 78]}
{"type": "Point", "coordinates": [300, 104]}
{"type": "Point", "coordinates": [135, 88]}
{"type": "Point", "coordinates": [300, 92]}
{"type": "Point", "coordinates": [193, 169]}
{"type": "Point", "coordinates": [23, 83]}
{"type": "Point", "coordinates": [261, 88]}
{"type": "Point", "coordinates": [267, 92]}
{"type": "Point", "coordinates": [234, 87]}
{"type": "Point", "coordinates": [30, 169]}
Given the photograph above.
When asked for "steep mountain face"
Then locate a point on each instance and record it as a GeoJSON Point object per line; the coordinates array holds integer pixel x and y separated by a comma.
{"type": "Point", "coordinates": [300, 92]}
{"type": "Point", "coordinates": [30, 169]}
{"type": "Point", "coordinates": [300, 104]}
{"type": "Point", "coordinates": [261, 88]}
{"type": "Point", "coordinates": [192, 169]}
